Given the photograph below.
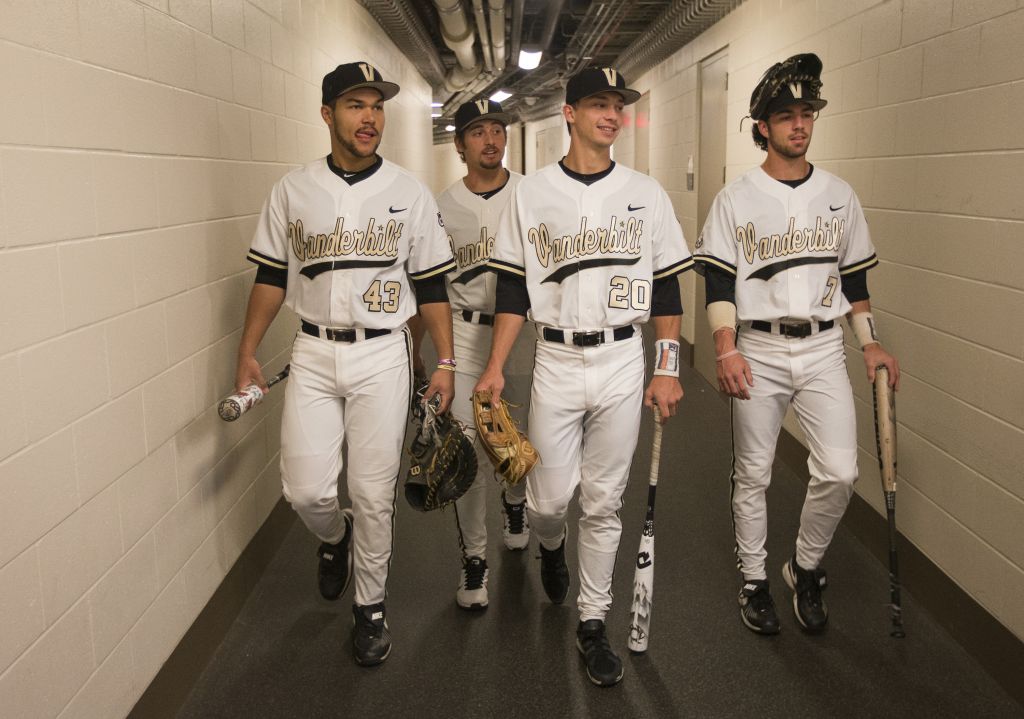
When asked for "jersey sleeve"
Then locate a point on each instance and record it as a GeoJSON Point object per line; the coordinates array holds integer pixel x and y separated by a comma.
{"type": "Point", "coordinates": [857, 253]}
{"type": "Point", "coordinates": [430, 251]}
{"type": "Point", "coordinates": [507, 255]}
{"type": "Point", "coordinates": [715, 245]}
{"type": "Point", "coordinates": [671, 254]}
{"type": "Point", "coordinates": [270, 242]}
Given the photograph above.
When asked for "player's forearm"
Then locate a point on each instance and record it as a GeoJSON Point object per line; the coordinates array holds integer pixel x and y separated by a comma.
{"type": "Point", "coordinates": [437, 318]}
{"type": "Point", "coordinates": [862, 323]}
{"type": "Point", "coordinates": [506, 328]}
{"type": "Point", "coordinates": [264, 303]}
{"type": "Point", "coordinates": [666, 327]}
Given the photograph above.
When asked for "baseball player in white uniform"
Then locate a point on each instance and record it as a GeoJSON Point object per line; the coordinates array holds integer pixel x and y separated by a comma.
{"type": "Point", "coordinates": [588, 250]}
{"type": "Point", "coordinates": [785, 251]}
{"type": "Point", "coordinates": [471, 208]}
{"type": "Point", "coordinates": [342, 241]}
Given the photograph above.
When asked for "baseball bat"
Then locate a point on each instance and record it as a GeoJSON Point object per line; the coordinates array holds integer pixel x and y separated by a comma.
{"type": "Point", "coordinates": [643, 576]}
{"type": "Point", "coordinates": [885, 441]}
{"type": "Point", "coordinates": [235, 405]}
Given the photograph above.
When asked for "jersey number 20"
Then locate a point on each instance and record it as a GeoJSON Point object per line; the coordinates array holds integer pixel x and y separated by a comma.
{"type": "Point", "coordinates": [629, 294]}
{"type": "Point", "coordinates": [387, 300]}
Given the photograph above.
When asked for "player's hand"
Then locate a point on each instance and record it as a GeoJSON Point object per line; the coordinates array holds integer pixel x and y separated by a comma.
{"type": "Point", "coordinates": [874, 357]}
{"type": "Point", "coordinates": [665, 392]}
{"type": "Point", "coordinates": [442, 382]}
{"type": "Point", "coordinates": [248, 372]}
{"type": "Point", "coordinates": [734, 376]}
{"type": "Point", "coordinates": [492, 381]}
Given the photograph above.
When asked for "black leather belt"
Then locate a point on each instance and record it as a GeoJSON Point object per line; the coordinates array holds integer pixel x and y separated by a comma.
{"type": "Point", "coordinates": [341, 335]}
{"type": "Point", "coordinates": [793, 329]}
{"type": "Point", "coordinates": [586, 339]}
{"type": "Point", "coordinates": [479, 318]}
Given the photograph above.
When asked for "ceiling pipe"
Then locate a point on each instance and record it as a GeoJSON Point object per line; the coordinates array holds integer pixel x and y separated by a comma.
{"type": "Point", "coordinates": [481, 30]}
{"type": "Point", "coordinates": [678, 25]}
{"type": "Point", "coordinates": [457, 34]}
{"type": "Point", "coordinates": [550, 23]}
{"type": "Point", "coordinates": [497, 23]}
{"type": "Point", "coordinates": [517, 29]}
{"type": "Point", "coordinates": [398, 19]}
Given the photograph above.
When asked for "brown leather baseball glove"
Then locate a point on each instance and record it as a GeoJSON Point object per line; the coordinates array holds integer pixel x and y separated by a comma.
{"type": "Point", "coordinates": [509, 450]}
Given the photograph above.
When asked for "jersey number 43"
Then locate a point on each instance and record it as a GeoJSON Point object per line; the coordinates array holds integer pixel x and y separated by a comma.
{"type": "Point", "coordinates": [382, 296]}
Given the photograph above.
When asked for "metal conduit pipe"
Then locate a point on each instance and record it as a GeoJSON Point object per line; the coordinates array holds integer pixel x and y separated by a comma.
{"type": "Point", "coordinates": [457, 32]}
{"type": "Point", "coordinates": [550, 23]}
{"type": "Point", "coordinates": [517, 29]}
{"type": "Point", "coordinates": [481, 30]}
{"type": "Point", "coordinates": [398, 19]}
{"type": "Point", "coordinates": [497, 23]}
{"type": "Point", "coordinates": [680, 23]}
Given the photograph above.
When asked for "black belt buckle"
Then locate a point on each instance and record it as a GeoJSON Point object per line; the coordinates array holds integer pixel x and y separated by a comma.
{"type": "Point", "coordinates": [798, 331]}
{"type": "Point", "coordinates": [336, 335]}
{"type": "Point", "coordinates": [587, 339]}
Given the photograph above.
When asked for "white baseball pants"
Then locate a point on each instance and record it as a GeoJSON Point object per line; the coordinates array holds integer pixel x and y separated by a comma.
{"type": "Point", "coordinates": [472, 346]}
{"type": "Point", "coordinates": [355, 393]}
{"type": "Point", "coordinates": [811, 374]}
{"type": "Point", "coordinates": [584, 420]}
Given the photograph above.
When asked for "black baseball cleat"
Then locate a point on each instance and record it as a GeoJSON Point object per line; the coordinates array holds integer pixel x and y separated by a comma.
{"type": "Point", "coordinates": [335, 569]}
{"type": "Point", "coordinates": [604, 668]}
{"type": "Point", "coordinates": [371, 640]}
{"type": "Point", "coordinates": [757, 610]}
{"type": "Point", "coordinates": [472, 590]}
{"type": "Point", "coordinates": [554, 574]}
{"type": "Point", "coordinates": [808, 604]}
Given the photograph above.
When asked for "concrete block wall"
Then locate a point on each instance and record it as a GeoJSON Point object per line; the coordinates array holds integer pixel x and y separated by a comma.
{"type": "Point", "coordinates": [922, 96]}
{"type": "Point", "coordinates": [138, 141]}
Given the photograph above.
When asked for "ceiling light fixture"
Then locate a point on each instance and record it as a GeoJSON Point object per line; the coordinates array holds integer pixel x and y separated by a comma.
{"type": "Point", "coordinates": [449, 128]}
{"type": "Point", "coordinates": [529, 60]}
{"type": "Point", "coordinates": [501, 96]}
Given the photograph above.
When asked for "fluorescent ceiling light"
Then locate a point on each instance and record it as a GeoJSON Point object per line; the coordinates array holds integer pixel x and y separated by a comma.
{"type": "Point", "coordinates": [501, 96]}
{"type": "Point", "coordinates": [449, 128]}
{"type": "Point", "coordinates": [435, 114]}
{"type": "Point", "coordinates": [529, 60]}
{"type": "Point", "coordinates": [437, 104]}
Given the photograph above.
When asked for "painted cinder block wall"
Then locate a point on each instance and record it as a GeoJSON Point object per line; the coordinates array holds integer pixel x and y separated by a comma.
{"type": "Point", "coordinates": [138, 141]}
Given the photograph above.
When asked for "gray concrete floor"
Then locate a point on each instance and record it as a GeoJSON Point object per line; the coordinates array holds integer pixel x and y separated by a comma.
{"type": "Point", "coordinates": [288, 654]}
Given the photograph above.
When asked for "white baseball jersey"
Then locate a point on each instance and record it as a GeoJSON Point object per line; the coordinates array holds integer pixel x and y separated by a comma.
{"type": "Point", "coordinates": [350, 251]}
{"type": "Point", "coordinates": [590, 253]}
{"type": "Point", "coordinates": [788, 248]}
{"type": "Point", "coordinates": [471, 222]}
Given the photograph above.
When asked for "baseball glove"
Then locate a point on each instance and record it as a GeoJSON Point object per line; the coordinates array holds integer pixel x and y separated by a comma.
{"type": "Point", "coordinates": [442, 461]}
{"type": "Point", "coordinates": [510, 451]}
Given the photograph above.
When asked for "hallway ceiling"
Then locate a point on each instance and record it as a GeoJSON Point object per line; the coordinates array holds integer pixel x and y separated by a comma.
{"type": "Point", "coordinates": [632, 35]}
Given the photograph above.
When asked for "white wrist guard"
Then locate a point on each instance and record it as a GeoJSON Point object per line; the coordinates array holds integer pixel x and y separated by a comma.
{"type": "Point", "coordinates": [863, 326]}
{"type": "Point", "coordinates": [666, 358]}
{"type": "Point", "coordinates": [722, 315]}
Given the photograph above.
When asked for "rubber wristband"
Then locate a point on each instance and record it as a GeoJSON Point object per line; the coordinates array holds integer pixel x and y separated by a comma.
{"type": "Point", "coordinates": [666, 358]}
{"type": "Point", "coordinates": [726, 355]}
{"type": "Point", "coordinates": [446, 362]}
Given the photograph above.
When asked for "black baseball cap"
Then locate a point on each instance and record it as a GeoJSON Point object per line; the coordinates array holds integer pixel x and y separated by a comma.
{"type": "Point", "coordinates": [796, 79]}
{"type": "Point", "coordinates": [352, 76]}
{"type": "Point", "coordinates": [476, 110]}
{"type": "Point", "coordinates": [596, 80]}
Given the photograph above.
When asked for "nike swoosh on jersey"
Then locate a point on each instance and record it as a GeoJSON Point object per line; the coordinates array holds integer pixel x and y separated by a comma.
{"type": "Point", "coordinates": [569, 270]}
{"type": "Point", "coordinates": [769, 271]}
{"type": "Point", "coordinates": [319, 268]}
{"type": "Point", "coordinates": [630, 208]}
{"type": "Point", "coordinates": [836, 209]}
{"type": "Point", "coordinates": [392, 210]}
{"type": "Point", "coordinates": [471, 274]}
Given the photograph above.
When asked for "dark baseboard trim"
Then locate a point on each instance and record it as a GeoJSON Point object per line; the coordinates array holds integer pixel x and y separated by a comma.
{"type": "Point", "coordinates": [994, 646]}
{"type": "Point", "coordinates": [170, 688]}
